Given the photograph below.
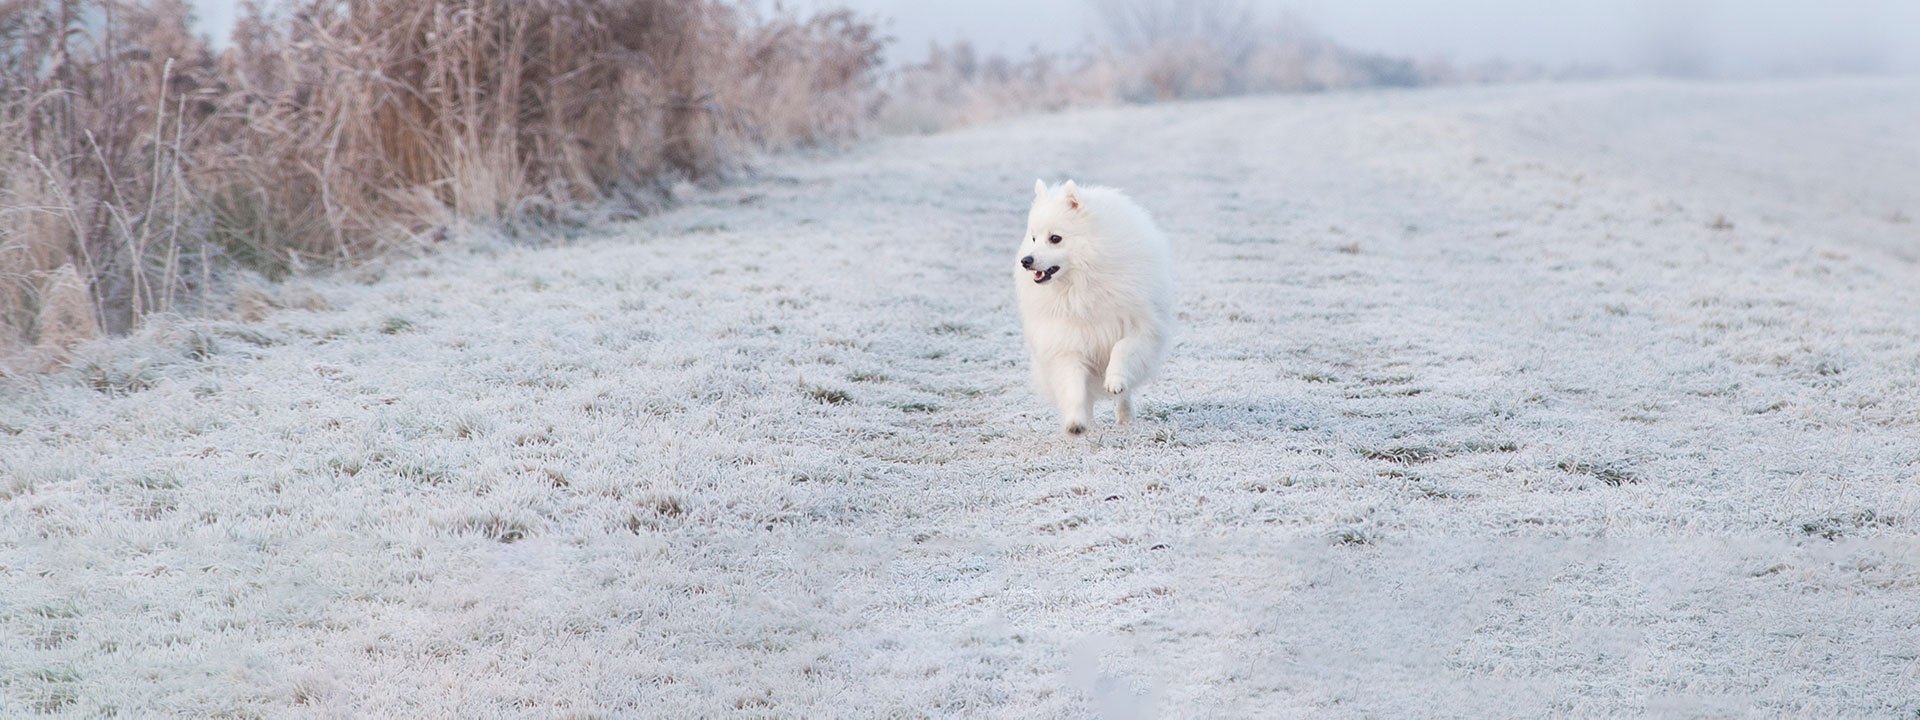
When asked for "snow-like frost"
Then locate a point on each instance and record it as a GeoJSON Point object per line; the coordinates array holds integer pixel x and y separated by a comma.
{"type": "Point", "coordinates": [1545, 401]}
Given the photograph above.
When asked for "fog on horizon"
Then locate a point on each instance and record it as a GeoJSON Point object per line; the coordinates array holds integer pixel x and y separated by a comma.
{"type": "Point", "coordinates": [1726, 38]}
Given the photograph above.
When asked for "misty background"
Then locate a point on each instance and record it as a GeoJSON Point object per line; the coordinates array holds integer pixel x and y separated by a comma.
{"type": "Point", "coordinates": [1708, 38]}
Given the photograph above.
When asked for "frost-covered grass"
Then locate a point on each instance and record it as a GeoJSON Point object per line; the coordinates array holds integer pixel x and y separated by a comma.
{"type": "Point", "coordinates": [1539, 401]}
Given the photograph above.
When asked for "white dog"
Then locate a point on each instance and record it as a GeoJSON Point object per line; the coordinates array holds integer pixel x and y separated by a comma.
{"type": "Point", "coordinates": [1095, 283]}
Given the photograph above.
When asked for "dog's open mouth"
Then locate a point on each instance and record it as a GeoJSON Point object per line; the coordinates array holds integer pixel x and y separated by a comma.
{"type": "Point", "coordinates": [1040, 276]}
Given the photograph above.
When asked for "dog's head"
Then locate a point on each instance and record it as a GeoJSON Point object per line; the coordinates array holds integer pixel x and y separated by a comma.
{"type": "Point", "coordinates": [1057, 226]}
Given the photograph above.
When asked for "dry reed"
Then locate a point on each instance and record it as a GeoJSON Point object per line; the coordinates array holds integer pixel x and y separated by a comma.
{"type": "Point", "coordinates": [1153, 50]}
{"type": "Point", "coordinates": [141, 163]}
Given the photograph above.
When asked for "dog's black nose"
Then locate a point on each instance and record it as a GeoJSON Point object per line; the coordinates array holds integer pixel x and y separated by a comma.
{"type": "Point", "coordinates": [1027, 262]}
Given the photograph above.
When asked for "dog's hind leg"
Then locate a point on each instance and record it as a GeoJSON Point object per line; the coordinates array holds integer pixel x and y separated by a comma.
{"type": "Point", "coordinates": [1123, 409]}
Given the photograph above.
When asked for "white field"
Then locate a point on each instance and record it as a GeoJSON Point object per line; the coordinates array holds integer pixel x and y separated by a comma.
{"type": "Point", "coordinates": [1527, 401]}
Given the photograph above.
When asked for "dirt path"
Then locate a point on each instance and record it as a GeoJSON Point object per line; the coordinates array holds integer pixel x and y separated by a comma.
{"type": "Point", "coordinates": [1564, 400]}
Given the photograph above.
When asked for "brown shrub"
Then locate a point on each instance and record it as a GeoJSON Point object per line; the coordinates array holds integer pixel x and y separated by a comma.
{"type": "Point", "coordinates": [330, 131]}
{"type": "Point", "coordinates": [66, 313]}
{"type": "Point", "coordinates": [91, 111]}
{"type": "Point", "coordinates": [1154, 51]}
{"type": "Point", "coordinates": [393, 115]}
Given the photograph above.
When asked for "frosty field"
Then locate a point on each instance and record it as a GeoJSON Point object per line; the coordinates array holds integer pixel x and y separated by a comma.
{"type": "Point", "coordinates": [1541, 401]}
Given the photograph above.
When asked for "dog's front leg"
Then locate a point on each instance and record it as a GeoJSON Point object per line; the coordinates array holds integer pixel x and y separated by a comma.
{"type": "Point", "coordinates": [1071, 380]}
{"type": "Point", "coordinates": [1131, 362]}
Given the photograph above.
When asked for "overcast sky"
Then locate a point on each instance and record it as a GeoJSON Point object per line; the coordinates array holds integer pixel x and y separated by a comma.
{"type": "Point", "coordinates": [1726, 36]}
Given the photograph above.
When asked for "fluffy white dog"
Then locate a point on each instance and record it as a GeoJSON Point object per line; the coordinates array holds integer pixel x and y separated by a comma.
{"type": "Point", "coordinates": [1095, 282]}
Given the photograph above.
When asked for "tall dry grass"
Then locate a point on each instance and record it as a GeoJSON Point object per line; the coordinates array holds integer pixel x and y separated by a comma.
{"type": "Point", "coordinates": [95, 99]}
{"type": "Point", "coordinates": [956, 86]}
{"type": "Point", "coordinates": [139, 163]}
{"type": "Point", "coordinates": [1152, 51]}
{"type": "Point", "coordinates": [1201, 58]}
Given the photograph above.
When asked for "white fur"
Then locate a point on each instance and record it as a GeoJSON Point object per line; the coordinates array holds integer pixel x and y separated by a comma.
{"type": "Point", "coordinates": [1100, 326]}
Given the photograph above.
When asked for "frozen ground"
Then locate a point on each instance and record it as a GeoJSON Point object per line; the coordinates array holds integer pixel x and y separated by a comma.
{"type": "Point", "coordinates": [1529, 401]}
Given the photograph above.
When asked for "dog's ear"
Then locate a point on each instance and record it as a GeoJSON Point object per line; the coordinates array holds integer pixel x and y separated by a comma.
{"type": "Point", "coordinates": [1039, 188]}
{"type": "Point", "coordinates": [1072, 192]}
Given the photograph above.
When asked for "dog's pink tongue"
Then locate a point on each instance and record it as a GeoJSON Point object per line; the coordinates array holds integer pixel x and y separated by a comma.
{"type": "Point", "coordinates": [1039, 275]}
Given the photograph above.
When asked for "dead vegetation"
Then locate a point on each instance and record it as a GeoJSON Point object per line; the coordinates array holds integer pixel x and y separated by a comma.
{"type": "Point", "coordinates": [138, 161]}
{"type": "Point", "coordinates": [1158, 50]}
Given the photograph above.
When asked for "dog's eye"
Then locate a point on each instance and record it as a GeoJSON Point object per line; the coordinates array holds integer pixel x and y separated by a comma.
{"type": "Point", "coordinates": [1055, 239]}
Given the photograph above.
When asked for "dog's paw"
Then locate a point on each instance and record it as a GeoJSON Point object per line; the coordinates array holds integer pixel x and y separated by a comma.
{"type": "Point", "coordinates": [1075, 427]}
{"type": "Point", "coordinates": [1116, 385]}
